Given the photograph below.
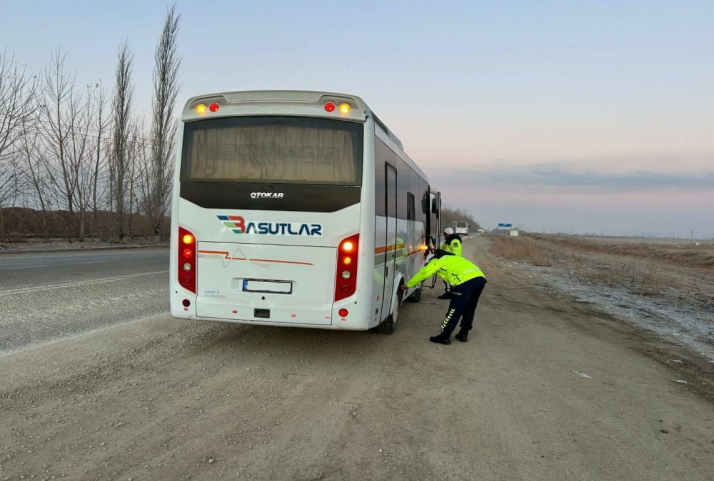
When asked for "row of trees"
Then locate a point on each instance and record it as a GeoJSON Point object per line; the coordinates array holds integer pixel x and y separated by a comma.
{"type": "Point", "coordinates": [85, 148]}
{"type": "Point", "coordinates": [449, 215]}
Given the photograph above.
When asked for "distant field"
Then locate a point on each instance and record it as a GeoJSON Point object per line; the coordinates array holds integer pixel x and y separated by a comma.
{"type": "Point", "coordinates": [644, 240]}
{"type": "Point", "coordinates": [679, 252]}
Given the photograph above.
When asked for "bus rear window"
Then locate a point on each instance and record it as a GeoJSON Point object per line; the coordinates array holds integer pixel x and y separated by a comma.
{"type": "Point", "coordinates": [273, 149]}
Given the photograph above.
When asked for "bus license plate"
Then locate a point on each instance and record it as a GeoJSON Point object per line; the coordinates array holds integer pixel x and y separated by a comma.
{"type": "Point", "coordinates": [271, 287]}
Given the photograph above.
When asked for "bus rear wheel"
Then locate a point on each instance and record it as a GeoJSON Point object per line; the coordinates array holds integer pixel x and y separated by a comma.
{"type": "Point", "coordinates": [389, 325]}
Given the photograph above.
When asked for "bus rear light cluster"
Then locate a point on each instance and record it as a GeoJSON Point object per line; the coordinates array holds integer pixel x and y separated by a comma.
{"type": "Point", "coordinates": [344, 108]}
{"type": "Point", "coordinates": [201, 108]}
{"type": "Point", "coordinates": [346, 279]}
{"type": "Point", "coordinates": [187, 260]}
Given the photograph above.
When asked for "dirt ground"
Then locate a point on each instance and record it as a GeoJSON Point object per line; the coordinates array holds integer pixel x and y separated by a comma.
{"type": "Point", "coordinates": [159, 398]}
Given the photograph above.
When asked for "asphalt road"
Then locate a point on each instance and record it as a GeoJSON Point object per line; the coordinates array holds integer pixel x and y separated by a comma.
{"type": "Point", "coordinates": [47, 296]}
{"type": "Point", "coordinates": [150, 397]}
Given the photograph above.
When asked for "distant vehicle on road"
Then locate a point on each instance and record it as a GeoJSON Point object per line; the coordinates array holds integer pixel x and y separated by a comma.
{"type": "Point", "coordinates": [295, 209]}
{"type": "Point", "coordinates": [461, 227]}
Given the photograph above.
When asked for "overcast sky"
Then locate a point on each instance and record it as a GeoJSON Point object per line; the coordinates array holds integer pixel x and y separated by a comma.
{"type": "Point", "coordinates": [585, 114]}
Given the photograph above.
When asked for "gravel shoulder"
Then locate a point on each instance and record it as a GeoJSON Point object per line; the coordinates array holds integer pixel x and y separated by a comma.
{"type": "Point", "coordinates": [158, 398]}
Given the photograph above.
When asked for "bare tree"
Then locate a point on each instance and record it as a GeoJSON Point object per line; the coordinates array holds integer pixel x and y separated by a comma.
{"type": "Point", "coordinates": [17, 103]}
{"type": "Point", "coordinates": [79, 153]}
{"type": "Point", "coordinates": [159, 172]}
{"type": "Point", "coordinates": [137, 157]}
{"type": "Point", "coordinates": [101, 126]}
{"type": "Point", "coordinates": [17, 106]}
{"type": "Point", "coordinates": [57, 135]}
{"type": "Point", "coordinates": [34, 172]}
{"type": "Point", "coordinates": [9, 189]}
{"type": "Point", "coordinates": [119, 165]}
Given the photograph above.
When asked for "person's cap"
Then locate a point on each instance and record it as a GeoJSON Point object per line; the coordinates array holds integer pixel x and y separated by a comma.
{"type": "Point", "coordinates": [449, 231]}
{"type": "Point", "coordinates": [429, 257]}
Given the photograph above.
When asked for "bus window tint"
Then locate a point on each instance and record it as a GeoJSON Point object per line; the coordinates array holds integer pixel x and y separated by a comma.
{"type": "Point", "coordinates": [273, 149]}
{"type": "Point", "coordinates": [381, 154]}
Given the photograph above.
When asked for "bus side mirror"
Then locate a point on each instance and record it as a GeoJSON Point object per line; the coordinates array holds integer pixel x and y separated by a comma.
{"type": "Point", "coordinates": [434, 207]}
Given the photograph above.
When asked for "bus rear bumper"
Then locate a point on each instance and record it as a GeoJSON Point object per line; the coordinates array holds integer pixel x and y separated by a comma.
{"type": "Point", "coordinates": [333, 327]}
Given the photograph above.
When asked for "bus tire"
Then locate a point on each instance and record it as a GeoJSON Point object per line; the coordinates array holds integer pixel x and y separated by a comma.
{"type": "Point", "coordinates": [389, 325]}
{"type": "Point", "coordinates": [416, 295]}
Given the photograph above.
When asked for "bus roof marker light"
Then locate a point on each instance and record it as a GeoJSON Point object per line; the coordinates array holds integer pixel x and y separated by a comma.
{"type": "Point", "coordinates": [214, 107]}
{"type": "Point", "coordinates": [344, 108]}
{"type": "Point", "coordinates": [201, 109]}
{"type": "Point", "coordinates": [330, 107]}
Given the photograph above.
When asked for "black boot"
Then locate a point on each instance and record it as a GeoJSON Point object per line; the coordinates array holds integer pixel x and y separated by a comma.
{"type": "Point", "coordinates": [445, 295]}
{"type": "Point", "coordinates": [441, 339]}
{"type": "Point", "coordinates": [462, 336]}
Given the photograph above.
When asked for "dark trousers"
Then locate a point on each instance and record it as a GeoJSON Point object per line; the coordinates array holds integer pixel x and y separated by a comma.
{"type": "Point", "coordinates": [447, 288]}
{"type": "Point", "coordinates": [464, 299]}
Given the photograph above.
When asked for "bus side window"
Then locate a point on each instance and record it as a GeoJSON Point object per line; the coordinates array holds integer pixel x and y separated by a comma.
{"type": "Point", "coordinates": [411, 207]}
{"type": "Point", "coordinates": [380, 152]}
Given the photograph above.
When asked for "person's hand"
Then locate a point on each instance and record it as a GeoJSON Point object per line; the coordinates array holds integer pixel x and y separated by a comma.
{"type": "Point", "coordinates": [404, 287]}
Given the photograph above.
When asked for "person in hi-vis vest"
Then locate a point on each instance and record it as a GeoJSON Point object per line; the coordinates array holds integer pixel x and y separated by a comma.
{"type": "Point", "coordinates": [452, 245]}
{"type": "Point", "coordinates": [467, 282]}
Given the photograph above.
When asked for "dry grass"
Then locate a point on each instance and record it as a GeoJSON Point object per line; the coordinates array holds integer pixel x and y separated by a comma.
{"type": "Point", "coordinates": [521, 249]}
{"type": "Point", "coordinates": [645, 269]}
{"type": "Point", "coordinates": [644, 278]}
{"type": "Point", "coordinates": [680, 253]}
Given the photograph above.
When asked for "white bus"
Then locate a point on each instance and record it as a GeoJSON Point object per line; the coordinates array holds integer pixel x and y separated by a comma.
{"type": "Point", "coordinates": [296, 209]}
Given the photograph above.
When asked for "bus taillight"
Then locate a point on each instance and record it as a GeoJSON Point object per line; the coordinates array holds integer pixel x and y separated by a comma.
{"type": "Point", "coordinates": [346, 279]}
{"type": "Point", "coordinates": [187, 260]}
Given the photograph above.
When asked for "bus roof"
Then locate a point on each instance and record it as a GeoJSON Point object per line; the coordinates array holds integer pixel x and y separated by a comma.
{"type": "Point", "coordinates": [297, 102]}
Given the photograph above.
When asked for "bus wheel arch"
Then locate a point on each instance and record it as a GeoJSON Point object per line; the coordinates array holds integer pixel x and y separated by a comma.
{"type": "Point", "coordinates": [389, 325]}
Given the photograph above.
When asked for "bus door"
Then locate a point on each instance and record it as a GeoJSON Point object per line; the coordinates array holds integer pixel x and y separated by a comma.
{"type": "Point", "coordinates": [434, 227]}
{"type": "Point", "coordinates": [390, 262]}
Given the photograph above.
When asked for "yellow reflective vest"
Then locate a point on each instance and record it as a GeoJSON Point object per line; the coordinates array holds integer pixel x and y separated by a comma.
{"type": "Point", "coordinates": [452, 246]}
{"type": "Point", "coordinates": [453, 269]}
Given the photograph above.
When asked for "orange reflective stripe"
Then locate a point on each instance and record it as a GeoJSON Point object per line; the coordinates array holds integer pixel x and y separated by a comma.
{"type": "Point", "coordinates": [276, 261]}
{"type": "Point", "coordinates": [389, 248]}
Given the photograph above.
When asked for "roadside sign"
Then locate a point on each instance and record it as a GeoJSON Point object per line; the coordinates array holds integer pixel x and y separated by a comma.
{"type": "Point", "coordinates": [505, 226]}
